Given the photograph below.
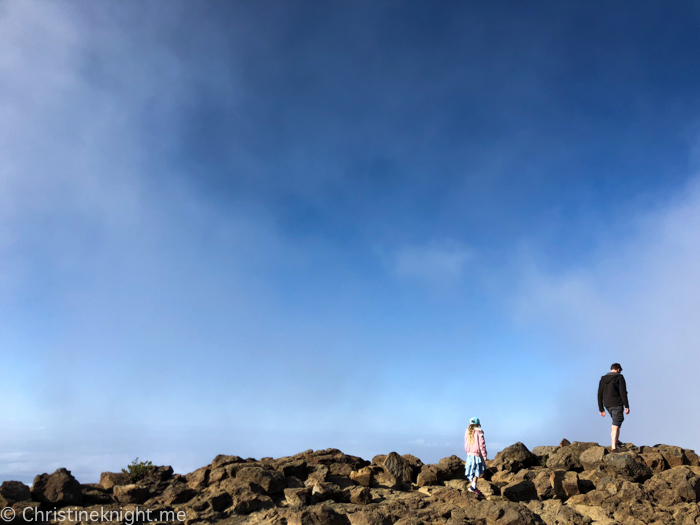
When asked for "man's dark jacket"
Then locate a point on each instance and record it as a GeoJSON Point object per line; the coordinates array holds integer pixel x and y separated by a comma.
{"type": "Point", "coordinates": [612, 391]}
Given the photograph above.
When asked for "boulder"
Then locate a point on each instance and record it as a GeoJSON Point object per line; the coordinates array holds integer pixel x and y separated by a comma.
{"type": "Point", "coordinates": [553, 512]}
{"type": "Point", "coordinates": [135, 494]}
{"type": "Point", "coordinates": [677, 485]}
{"type": "Point", "coordinates": [317, 473]}
{"type": "Point", "coordinates": [178, 493]}
{"type": "Point", "coordinates": [543, 484]}
{"type": "Point", "coordinates": [398, 467]}
{"type": "Point", "coordinates": [519, 491]}
{"type": "Point", "coordinates": [493, 512]}
{"type": "Point", "coordinates": [654, 461]}
{"type": "Point", "coordinates": [674, 456]}
{"type": "Point", "coordinates": [692, 457]}
{"type": "Point", "coordinates": [362, 477]}
{"type": "Point", "coordinates": [564, 483]}
{"type": "Point", "coordinates": [546, 450]}
{"type": "Point", "coordinates": [14, 491]}
{"type": "Point", "coordinates": [360, 495]}
{"type": "Point", "coordinates": [451, 468]}
{"type": "Point", "coordinates": [197, 480]}
{"type": "Point", "coordinates": [318, 515]}
{"type": "Point", "coordinates": [415, 463]}
{"type": "Point", "coordinates": [297, 469]}
{"type": "Point", "coordinates": [428, 476]}
{"type": "Point", "coordinates": [222, 460]}
{"type": "Point", "coordinates": [95, 494]}
{"type": "Point", "coordinates": [59, 489]}
{"type": "Point", "coordinates": [297, 497]}
{"type": "Point", "coordinates": [270, 481]}
{"type": "Point", "coordinates": [627, 465]}
{"type": "Point", "coordinates": [568, 457]}
{"type": "Point", "coordinates": [248, 501]}
{"type": "Point", "coordinates": [324, 491]}
{"type": "Point", "coordinates": [514, 458]}
{"type": "Point", "coordinates": [110, 479]}
{"type": "Point", "coordinates": [591, 458]}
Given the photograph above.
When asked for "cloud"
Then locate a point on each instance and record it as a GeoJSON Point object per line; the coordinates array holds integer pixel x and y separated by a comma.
{"type": "Point", "coordinates": [636, 302]}
{"type": "Point", "coordinates": [437, 262]}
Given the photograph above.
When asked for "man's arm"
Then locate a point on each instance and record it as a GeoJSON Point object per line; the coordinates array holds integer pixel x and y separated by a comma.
{"type": "Point", "coordinates": [600, 398]}
{"type": "Point", "coordinates": [623, 392]}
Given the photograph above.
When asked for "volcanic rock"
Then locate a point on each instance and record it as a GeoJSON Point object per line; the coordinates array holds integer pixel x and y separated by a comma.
{"type": "Point", "coordinates": [59, 489]}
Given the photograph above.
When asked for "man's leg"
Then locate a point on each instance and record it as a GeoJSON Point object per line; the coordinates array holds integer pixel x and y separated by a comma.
{"type": "Point", "coordinates": [615, 434]}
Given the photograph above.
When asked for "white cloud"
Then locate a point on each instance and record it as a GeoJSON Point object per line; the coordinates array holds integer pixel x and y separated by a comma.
{"type": "Point", "coordinates": [436, 262]}
{"type": "Point", "coordinates": [638, 303]}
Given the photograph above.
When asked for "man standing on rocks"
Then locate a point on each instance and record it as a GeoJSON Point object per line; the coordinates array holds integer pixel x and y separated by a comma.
{"type": "Point", "coordinates": [612, 393]}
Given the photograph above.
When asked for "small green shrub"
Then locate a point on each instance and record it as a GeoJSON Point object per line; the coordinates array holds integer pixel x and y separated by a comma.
{"type": "Point", "coordinates": [138, 469]}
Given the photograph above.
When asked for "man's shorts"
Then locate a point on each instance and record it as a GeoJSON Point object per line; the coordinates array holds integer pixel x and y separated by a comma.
{"type": "Point", "coordinates": [618, 415]}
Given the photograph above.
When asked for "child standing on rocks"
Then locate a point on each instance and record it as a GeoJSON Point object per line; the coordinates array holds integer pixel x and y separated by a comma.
{"type": "Point", "coordinates": [475, 446]}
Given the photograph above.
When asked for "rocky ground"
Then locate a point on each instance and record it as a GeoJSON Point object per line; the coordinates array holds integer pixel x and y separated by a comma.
{"type": "Point", "coordinates": [573, 483]}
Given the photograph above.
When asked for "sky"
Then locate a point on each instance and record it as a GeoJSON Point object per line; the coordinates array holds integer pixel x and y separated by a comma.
{"type": "Point", "coordinates": [256, 228]}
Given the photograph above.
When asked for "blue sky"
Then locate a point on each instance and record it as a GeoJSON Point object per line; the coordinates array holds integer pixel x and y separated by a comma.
{"type": "Point", "coordinates": [258, 228]}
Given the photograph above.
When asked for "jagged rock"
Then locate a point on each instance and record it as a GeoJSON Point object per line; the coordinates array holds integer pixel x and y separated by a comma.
{"type": "Point", "coordinates": [324, 491]}
{"type": "Point", "coordinates": [415, 463]}
{"type": "Point", "coordinates": [591, 458]}
{"type": "Point", "coordinates": [369, 517]}
{"type": "Point", "coordinates": [297, 497]}
{"type": "Point", "coordinates": [451, 468]}
{"type": "Point", "coordinates": [514, 457]}
{"type": "Point", "coordinates": [654, 461]}
{"type": "Point", "coordinates": [568, 457]}
{"type": "Point", "coordinates": [398, 467]}
{"type": "Point", "coordinates": [360, 495]}
{"type": "Point", "coordinates": [428, 476]}
{"type": "Point", "coordinates": [12, 492]}
{"type": "Point", "coordinates": [222, 460]}
{"type": "Point", "coordinates": [362, 477]}
{"type": "Point", "coordinates": [627, 465]}
{"type": "Point", "coordinates": [95, 494]}
{"type": "Point", "coordinates": [248, 501]}
{"type": "Point", "coordinates": [497, 513]}
{"type": "Point", "coordinates": [543, 484]}
{"type": "Point", "coordinates": [677, 485]}
{"type": "Point", "coordinates": [199, 479]}
{"type": "Point", "coordinates": [59, 489]}
{"type": "Point", "coordinates": [692, 457]}
{"type": "Point", "coordinates": [378, 459]}
{"type": "Point", "coordinates": [318, 515]}
{"type": "Point", "coordinates": [519, 491]}
{"type": "Point", "coordinates": [269, 481]}
{"type": "Point", "coordinates": [316, 473]}
{"type": "Point", "coordinates": [297, 469]}
{"type": "Point", "coordinates": [552, 512]}
{"type": "Point", "coordinates": [178, 493]}
{"type": "Point", "coordinates": [209, 503]}
{"type": "Point", "coordinates": [544, 450]}
{"type": "Point", "coordinates": [110, 479]}
{"type": "Point", "coordinates": [162, 473]}
{"type": "Point", "coordinates": [131, 494]}
{"type": "Point", "coordinates": [674, 456]}
{"type": "Point", "coordinates": [564, 483]}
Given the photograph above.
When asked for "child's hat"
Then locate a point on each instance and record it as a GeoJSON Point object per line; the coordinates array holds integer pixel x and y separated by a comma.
{"type": "Point", "coordinates": [474, 421]}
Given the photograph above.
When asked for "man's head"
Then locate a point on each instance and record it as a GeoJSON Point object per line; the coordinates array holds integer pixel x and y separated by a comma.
{"type": "Point", "coordinates": [615, 367]}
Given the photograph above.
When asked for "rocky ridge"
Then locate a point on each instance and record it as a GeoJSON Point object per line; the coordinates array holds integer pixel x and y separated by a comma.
{"type": "Point", "coordinates": [572, 483]}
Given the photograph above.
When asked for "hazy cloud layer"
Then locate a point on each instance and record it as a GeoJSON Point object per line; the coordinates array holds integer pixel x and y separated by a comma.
{"type": "Point", "coordinates": [637, 303]}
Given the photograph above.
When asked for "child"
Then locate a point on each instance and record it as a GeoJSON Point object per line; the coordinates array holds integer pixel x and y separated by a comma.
{"type": "Point", "coordinates": [475, 447]}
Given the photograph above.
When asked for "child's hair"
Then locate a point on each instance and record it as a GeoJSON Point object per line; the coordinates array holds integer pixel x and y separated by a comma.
{"type": "Point", "coordinates": [470, 431]}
